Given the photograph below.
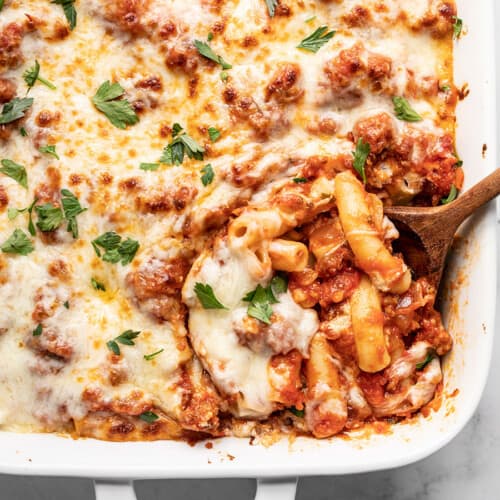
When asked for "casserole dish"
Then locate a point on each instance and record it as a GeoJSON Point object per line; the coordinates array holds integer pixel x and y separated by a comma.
{"type": "Point", "coordinates": [468, 313]}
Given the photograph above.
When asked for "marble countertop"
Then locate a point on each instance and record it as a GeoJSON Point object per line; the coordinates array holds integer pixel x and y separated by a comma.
{"type": "Point", "coordinates": [469, 467]}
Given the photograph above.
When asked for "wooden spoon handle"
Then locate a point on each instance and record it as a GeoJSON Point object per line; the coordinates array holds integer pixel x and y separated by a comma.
{"type": "Point", "coordinates": [478, 195]}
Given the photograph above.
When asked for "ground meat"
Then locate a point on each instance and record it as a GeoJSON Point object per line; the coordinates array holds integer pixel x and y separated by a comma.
{"type": "Point", "coordinates": [7, 90]}
{"type": "Point", "coordinates": [127, 15]}
{"type": "Point", "coordinates": [183, 56]}
{"type": "Point", "coordinates": [377, 130]}
{"type": "Point", "coordinates": [284, 86]}
{"type": "Point", "coordinates": [10, 46]}
{"type": "Point", "coordinates": [175, 198]}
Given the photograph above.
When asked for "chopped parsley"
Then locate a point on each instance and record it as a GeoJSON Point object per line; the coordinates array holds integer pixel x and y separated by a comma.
{"type": "Point", "coordinates": [15, 171]}
{"type": "Point", "coordinates": [15, 109]}
{"type": "Point", "coordinates": [360, 156]}
{"type": "Point", "coordinates": [404, 111]}
{"type": "Point", "coordinates": [445, 88]}
{"type": "Point", "coordinates": [32, 74]}
{"type": "Point", "coordinates": [23, 132]}
{"type": "Point", "coordinates": [317, 39]}
{"type": "Point", "coordinates": [97, 285]}
{"type": "Point", "coordinates": [208, 175]}
{"type": "Point", "coordinates": [210, 36]}
{"type": "Point", "coordinates": [213, 133]}
{"type": "Point", "coordinates": [72, 208]}
{"type": "Point", "coordinates": [297, 413]}
{"type": "Point", "coordinates": [425, 362]}
{"type": "Point", "coordinates": [206, 51]}
{"type": "Point", "coordinates": [279, 283]}
{"type": "Point", "coordinates": [38, 330]}
{"type": "Point", "coordinates": [12, 213]}
{"type": "Point", "coordinates": [50, 217]}
{"type": "Point", "coordinates": [50, 149]}
{"type": "Point", "coordinates": [207, 297]}
{"type": "Point", "coordinates": [457, 27]}
{"type": "Point", "coordinates": [149, 357]}
{"type": "Point", "coordinates": [299, 180]}
{"type": "Point", "coordinates": [451, 196]}
{"type": "Point", "coordinates": [149, 166]}
{"type": "Point", "coordinates": [271, 7]}
{"type": "Point", "coordinates": [118, 111]}
{"type": "Point", "coordinates": [149, 417]}
{"type": "Point", "coordinates": [19, 243]}
{"type": "Point", "coordinates": [110, 247]}
{"type": "Point", "coordinates": [125, 338]}
{"type": "Point", "coordinates": [181, 144]}
{"type": "Point", "coordinates": [69, 11]}
{"type": "Point", "coordinates": [260, 303]}
{"type": "Point", "coordinates": [66, 304]}
{"type": "Point", "coordinates": [224, 76]}
{"type": "Point", "coordinates": [1, 4]}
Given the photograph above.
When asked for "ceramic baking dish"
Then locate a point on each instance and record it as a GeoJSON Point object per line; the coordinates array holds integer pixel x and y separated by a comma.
{"type": "Point", "coordinates": [469, 313]}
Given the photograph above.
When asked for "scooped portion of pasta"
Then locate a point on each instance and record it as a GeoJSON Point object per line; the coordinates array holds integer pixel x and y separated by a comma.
{"type": "Point", "coordinates": [192, 238]}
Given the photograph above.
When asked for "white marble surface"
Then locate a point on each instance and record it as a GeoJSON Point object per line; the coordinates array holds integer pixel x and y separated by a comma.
{"type": "Point", "coordinates": [469, 467]}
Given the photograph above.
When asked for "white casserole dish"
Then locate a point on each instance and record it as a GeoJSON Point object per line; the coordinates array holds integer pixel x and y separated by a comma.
{"type": "Point", "coordinates": [469, 314]}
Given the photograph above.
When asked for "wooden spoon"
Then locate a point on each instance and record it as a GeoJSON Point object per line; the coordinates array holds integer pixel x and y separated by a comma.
{"type": "Point", "coordinates": [426, 233]}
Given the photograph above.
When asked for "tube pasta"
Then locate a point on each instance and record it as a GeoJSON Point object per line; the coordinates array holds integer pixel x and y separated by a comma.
{"type": "Point", "coordinates": [326, 405]}
{"type": "Point", "coordinates": [388, 273]}
{"type": "Point", "coordinates": [368, 327]}
{"type": "Point", "coordinates": [288, 255]}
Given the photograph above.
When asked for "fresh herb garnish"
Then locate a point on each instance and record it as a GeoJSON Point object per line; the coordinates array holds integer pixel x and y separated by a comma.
{"type": "Point", "coordinates": [23, 132]}
{"type": "Point", "coordinates": [206, 51]}
{"type": "Point", "coordinates": [213, 133]}
{"type": "Point", "coordinates": [224, 76]}
{"type": "Point", "coordinates": [271, 7]}
{"type": "Point", "coordinates": [118, 111]}
{"type": "Point", "coordinates": [360, 156]}
{"type": "Point", "coordinates": [457, 27]}
{"type": "Point", "coordinates": [149, 166]}
{"type": "Point", "coordinates": [207, 297]}
{"type": "Point", "coordinates": [279, 283]}
{"type": "Point", "coordinates": [210, 36]}
{"type": "Point", "coordinates": [451, 196]}
{"type": "Point", "coordinates": [317, 39]}
{"type": "Point", "coordinates": [12, 213]}
{"type": "Point", "coordinates": [19, 243]}
{"type": "Point", "coordinates": [15, 171]}
{"type": "Point", "coordinates": [299, 180]}
{"type": "Point", "coordinates": [149, 417]}
{"type": "Point", "coordinates": [69, 11]}
{"type": "Point", "coordinates": [66, 304]}
{"type": "Point", "coordinates": [38, 330]}
{"type": "Point", "coordinates": [15, 109]}
{"type": "Point", "coordinates": [97, 285]}
{"type": "Point", "coordinates": [404, 111]}
{"type": "Point", "coordinates": [72, 208]}
{"type": "Point", "coordinates": [125, 338]}
{"type": "Point", "coordinates": [1, 4]}
{"type": "Point", "coordinates": [149, 357]}
{"type": "Point", "coordinates": [260, 303]}
{"type": "Point", "coordinates": [50, 149]}
{"type": "Point", "coordinates": [110, 247]}
{"type": "Point", "coordinates": [32, 74]}
{"type": "Point", "coordinates": [425, 362]}
{"type": "Point", "coordinates": [181, 144]}
{"type": "Point", "coordinates": [297, 413]}
{"type": "Point", "coordinates": [208, 175]}
{"type": "Point", "coordinates": [445, 88]}
{"type": "Point", "coordinates": [50, 217]}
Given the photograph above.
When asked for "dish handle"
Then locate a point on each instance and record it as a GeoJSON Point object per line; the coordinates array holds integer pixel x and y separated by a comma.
{"type": "Point", "coordinates": [114, 490]}
{"type": "Point", "coordinates": [276, 489]}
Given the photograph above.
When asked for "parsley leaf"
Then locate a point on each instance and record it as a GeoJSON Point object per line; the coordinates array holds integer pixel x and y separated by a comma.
{"type": "Point", "coordinates": [66, 304]}
{"type": "Point", "coordinates": [23, 132]}
{"type": "Point", "coordinates": [1, 4]}
{"type": "Point", "coordinates": [149, 357]}
{"type": "Point", "coordinates": [360, 156]}
{"type": "Point", "coordinates": [15, 171]}
{"type": "Point", "coordinates": [15, 109]}
{"type": "Point", "coordinates": [149, 417]}
{"type": "Point", "coordinates": [260, 303]}
{"type": "Point", "coordinates": [208, 175]}
{"type": "Point", "coordinates": [451, 197]}
{"type": "Point", "coordinates": [32, 74]}
{"type": "Point", "coordinates": [404, 111]}
{"type": "Point", "coordinates": [299, 180]}
{"type": "Point", "coordinates": [181, 144]}
{"type": "Point", "coordinates": [50, 217]}
{"type": "Point", "coordinates": [125, 338]}
{"type": "Point", "coordinates": [425, 362]}
{"type": "Point", "coordinates": [19, 243]}
{"type": "Point", "coordinates": [50, 149]}
{"type": "Point", "coordinates": [97, 285]}
{"type": "Point", "coordinates": [271, 7]}
{"type": "Point", "coordinates": [224, 76]}
{"type": "Point", "coordinates": [12, 213]}
{"type": "Point", "coordinates": [69, 11]}
{"type": "Point", "coordinates": [213, 133]}
{"type": "Point", "coordinates": [38, 330]}
{"type": "Point", "coordinates": [279, 283]}
{"type": "Point", "coordinates": [457, 27]}
{"type": "Point", "coordinates": [72, 208]}
{"type": "Point", "coordinates": [149, 166]}
{"type": "Point", "coordinates": [317, 39]}
{"type": "Point", "coordinates": [119, 112]}
{"type": "Point", "coordinates": [206, 51]}
{"type": "Point", "coordinates": [115, 250]}
{"type": "Point", "coordinates": [207, 297]}
{"type": "Point", "coordinates": [297, 413]}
